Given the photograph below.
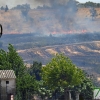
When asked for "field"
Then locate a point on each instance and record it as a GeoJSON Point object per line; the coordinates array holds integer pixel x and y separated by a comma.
{"type": "Point", "coordinates": [46, 22]}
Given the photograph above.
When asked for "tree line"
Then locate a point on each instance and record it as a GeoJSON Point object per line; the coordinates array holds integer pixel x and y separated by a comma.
{"type": "Point", "coordinates": [89, 4]}
{"type": "Point", "coordinates": [59, 79]}
{"type": "Point", "coordinates": [5, 8]}
{"type": "Point", "coordinates": [27, 6]}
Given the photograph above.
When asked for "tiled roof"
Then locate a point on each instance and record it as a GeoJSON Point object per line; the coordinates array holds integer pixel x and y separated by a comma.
{"type": "Point", "coordinates": [7, 74]}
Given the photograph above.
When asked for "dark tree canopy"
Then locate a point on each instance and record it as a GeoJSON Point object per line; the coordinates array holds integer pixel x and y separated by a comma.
{"type": "Point", "coordinates": [6, 9]}
{"type": "Point", "coordinates": [2, 8]}
{"type": "Point", "coordinates": [35, 70]}
{"type": "Point", "coordinates": [93, 13]}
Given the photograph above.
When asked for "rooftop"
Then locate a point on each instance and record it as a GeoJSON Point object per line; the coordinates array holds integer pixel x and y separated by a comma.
{"type": "Point", "coordinates": [7, 74]}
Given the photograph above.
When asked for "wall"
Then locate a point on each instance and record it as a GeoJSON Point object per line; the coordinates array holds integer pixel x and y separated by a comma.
{"type": "Point", "coordinates": [7, 88]}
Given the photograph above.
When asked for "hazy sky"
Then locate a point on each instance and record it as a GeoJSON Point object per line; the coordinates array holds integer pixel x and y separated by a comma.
{"type": "Point", "coordinates": [12, 3]}
{"type": "Point", "coordinates": [97, 1]}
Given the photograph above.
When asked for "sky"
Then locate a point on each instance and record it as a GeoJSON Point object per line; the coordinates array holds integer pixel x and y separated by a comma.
{"type": "Point", "coordinates": [82, 1]}
{"type": "Point", "coordinates": [12, 3]}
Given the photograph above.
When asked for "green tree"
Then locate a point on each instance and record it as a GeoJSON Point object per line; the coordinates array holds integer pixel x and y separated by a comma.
{"type": "Point", "coordinates": [40, 88]}
{"type": "Point", "coordinates": [90, 4]}
{"type": "Point", "coordinates": [4, 63]}
{"type": "Point", "coordinates": [61, 72]}
{"type": "Point", "coordinates": [16, 61]}
{"type": "Point", "coordinates": [42, 91]}
{"type": "Point", "coordinates": [85, 89]}
{"type": "Point", "coordinates": [25, 86]}
{"type": "Point", "coordinates": [24, 82]}
{"type": "Point", "coordinates": [11, 60]}
{"type": "Point", "coordinates": [35, 70]}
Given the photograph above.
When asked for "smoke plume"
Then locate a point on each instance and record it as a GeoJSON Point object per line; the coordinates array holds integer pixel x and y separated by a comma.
{"type": "Point", "coordinates": [64, 11]}
{"type": "Point", "coordinates": [52, 16]}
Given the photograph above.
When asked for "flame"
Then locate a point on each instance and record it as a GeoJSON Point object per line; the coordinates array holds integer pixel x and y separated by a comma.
{"type": "Point", "coordinates": [56, 32]}
{"type": "Point", "coordinates": [70, 32]}
{"type": "Point", "coordinates": [15, 32]}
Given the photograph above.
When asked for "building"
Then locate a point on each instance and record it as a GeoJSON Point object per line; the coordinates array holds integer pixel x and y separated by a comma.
{"type": "Point", "coordinates": [7, 84]}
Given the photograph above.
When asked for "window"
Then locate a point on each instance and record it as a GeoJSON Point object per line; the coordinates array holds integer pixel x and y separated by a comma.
{"type": "Point", "coordinates": [7, 82]}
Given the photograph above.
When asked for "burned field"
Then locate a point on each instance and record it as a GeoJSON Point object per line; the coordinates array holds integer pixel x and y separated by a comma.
{"type": "Point", "coordinates": [83, 49]}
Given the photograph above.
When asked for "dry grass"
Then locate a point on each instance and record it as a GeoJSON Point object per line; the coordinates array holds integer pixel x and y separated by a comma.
{"type": "Point", "coordinates": [14, 22]}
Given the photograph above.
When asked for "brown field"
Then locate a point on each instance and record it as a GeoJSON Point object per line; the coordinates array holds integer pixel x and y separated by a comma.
{"type": "Point", "coordinates": [13, 21]}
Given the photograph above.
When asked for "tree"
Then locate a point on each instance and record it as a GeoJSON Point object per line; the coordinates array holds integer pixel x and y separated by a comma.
{"type": "Point", "coordinates": [16, 61]}
{"type": "Point", "coordinates": [85, 89]}
{"type": "Point", "coordinates": [4, 63]}
{"type": "Point", "coordinates": [61, 72]}
{"type": "Point", "coordinates": [6, 9]}
{"type": "Point", "coordinates": [98, 5]}
{"type": "Point", "coordinates": [93, 13]}
{"type": "Point", "coordinates": [90, 4]}
{"type": "Point", "coordinates": [40, 88]}
{"type": "Point", "coordinates": [11, 60]}
{"type": "Point", "coordinates": [25, 13]}
{"type": "Point", "coordinates": [2, 8]}
{"type": "Point", "coordinates": [23, 6]}
{"type": "Point", "coordinates": [35, 70]}
{"type": "Point", "coordinates": [42, 91]}
{"type": "Point", "coordinates": [24, 82]}
{"type": "Point", "coordinates": [25, 86]}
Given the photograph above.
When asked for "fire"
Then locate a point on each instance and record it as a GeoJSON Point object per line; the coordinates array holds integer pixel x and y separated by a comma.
{"type": "Point", "coordinates": [55, 32]}
{"type": "Point", "coordinates": [14, 32]}
{"type": "Point", "coordinates": [70, 32]}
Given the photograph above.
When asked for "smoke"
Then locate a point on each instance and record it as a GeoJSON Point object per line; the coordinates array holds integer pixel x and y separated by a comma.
{"type": "Point", "coordinates": [60, 17]}
{"type": "Point", "coordinates": [52, 2]}
{"type": "Point", "coordinates": [64, 11]}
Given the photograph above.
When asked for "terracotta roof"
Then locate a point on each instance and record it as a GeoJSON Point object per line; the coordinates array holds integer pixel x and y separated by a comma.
{"type": "Point", "coordinates": [7, 74]}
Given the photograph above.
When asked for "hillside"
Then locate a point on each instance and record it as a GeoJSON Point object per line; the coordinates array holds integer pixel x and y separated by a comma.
{"type": "Point", "coordinates": [85, 55]}
{"type": "Point", "coordinates": [45, 21]}
{"type": "Point", "coordinates": [82, 49]}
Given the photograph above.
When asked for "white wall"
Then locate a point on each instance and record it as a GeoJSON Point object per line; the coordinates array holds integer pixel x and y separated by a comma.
{"type": "Point", "coordinates": [10, 86]}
